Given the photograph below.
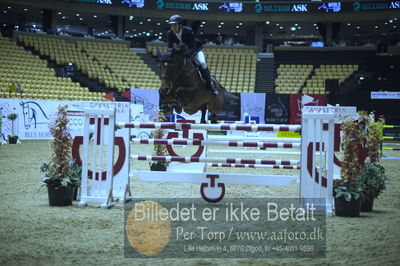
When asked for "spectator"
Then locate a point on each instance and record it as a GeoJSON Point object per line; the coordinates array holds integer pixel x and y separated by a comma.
{"type": "Point", "coordinates": [20, 89]}
{"type": "Point", "coordinates": [13, 87]}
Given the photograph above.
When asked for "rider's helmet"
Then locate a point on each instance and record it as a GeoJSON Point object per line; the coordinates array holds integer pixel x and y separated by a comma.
{"type": "Point", "coordinates": [175, 19]}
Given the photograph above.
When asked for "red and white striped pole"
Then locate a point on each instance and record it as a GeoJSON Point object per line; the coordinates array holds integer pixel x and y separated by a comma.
{"type": "Point", "coordinates": [197, 142]}
{"type": "Point", "coordinates": [241, 127]}
{"type": "Point", "coordinates": [252, 166]}
{"type": "Point", "coordinates": [192, 159]}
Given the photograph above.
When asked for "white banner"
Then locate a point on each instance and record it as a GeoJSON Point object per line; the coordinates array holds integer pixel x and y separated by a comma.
{"type": "Point", "coordinates": [385, 95]}
{"type": "Point", "coordinates": [252, 104]}
{"type": "Point", "coordinates": [342, 113]}
{"type": "Point", "coordinates": [148, 98]}
{"type": "Point", "coordinates": [35, 116]}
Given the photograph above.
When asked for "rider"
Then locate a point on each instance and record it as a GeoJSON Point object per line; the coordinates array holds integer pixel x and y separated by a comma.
{"type": "Point", "coordinates": [179, 35]}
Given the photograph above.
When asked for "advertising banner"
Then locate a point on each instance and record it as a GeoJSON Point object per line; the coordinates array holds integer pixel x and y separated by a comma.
{"type": "Point", "coordinates": [277, 108]}
{"type": "Point", "coordinates": [148, 98]}
{"type": "Point", "coordinates": [297, 101]}
{"type": "Point", "coordinates": [252, 104]}
{"type": "Point", "coordinates": [35, 116]}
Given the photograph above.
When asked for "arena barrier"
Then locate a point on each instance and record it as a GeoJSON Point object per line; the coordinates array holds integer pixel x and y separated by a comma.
{"type": "Point", "coordinates": [316, 166]}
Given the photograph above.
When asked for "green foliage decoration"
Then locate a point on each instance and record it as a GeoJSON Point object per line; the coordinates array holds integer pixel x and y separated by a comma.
{"type": "Point", "coordinates": [373, 178]}
{"type": "Point", "coordinates": [61, 170]}
{"type": "Point", "coordinates": [353, 140]}
{"type": "Point", "coordinates": [359, 178]}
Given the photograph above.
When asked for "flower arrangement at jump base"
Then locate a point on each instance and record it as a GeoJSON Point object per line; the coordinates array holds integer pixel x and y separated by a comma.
{"type": "Point", "coordinates": [358, 179]}
{"type": "Point", "coordinates": [373, 174]}
{"type": "Point", "coordinates": [62, 175]}
{"type": "Point", "coordinates": [12, 138]}
{"type": "Point", "coordinates": [159, 149]}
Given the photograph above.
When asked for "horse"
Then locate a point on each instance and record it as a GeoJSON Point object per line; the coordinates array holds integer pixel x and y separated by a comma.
{"type": "Point", "coordinates": [32, 112]}
{"type": "Point", "coordinates": [183, 87]}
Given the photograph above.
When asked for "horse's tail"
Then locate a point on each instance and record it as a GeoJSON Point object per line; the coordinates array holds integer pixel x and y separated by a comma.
{"type": "Point", "coordinates": [229, 96]}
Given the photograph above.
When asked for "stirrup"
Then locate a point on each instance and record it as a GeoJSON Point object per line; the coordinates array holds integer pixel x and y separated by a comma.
{"type": "Point", "coordinates": [214, 91]}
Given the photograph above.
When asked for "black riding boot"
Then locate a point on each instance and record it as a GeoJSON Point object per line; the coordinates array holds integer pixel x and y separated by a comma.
{"type": "Point", "coordinates": [210, 85]}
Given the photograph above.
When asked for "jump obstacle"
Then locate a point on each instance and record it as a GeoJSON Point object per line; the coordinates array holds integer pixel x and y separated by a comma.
{"type": "Point", "coordinates": [384, 137]}
{"type": "Point", "coordinates": [316, 164]}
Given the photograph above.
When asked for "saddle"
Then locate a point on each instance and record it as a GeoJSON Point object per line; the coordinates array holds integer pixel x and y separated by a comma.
{"type": "Point", "coordinates": [201, 75]}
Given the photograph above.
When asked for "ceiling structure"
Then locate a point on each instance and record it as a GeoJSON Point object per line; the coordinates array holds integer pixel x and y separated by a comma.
{"type": "Point", "coordinates": [75, 22]}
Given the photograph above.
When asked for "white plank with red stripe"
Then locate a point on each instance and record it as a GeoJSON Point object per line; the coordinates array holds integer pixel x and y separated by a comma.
{"type": "Point", "coordinates": [190, 159]}
{"type": "Point", "coordinates": [241, 138]}
{"type": "Point", "coordinates": [236, 179]}
{"type": "Point", "coordinates": [197, 142]}
{"type": "Point", "coordinates": [252, 166]}
{"type": "Point", "coordinates": [259, 152]}
{"type": "Point", "coordinates": [242, 127]}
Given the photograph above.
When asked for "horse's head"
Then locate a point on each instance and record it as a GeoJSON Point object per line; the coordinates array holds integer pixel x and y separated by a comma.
{"type": "Point", "coordinates": [170, 64]}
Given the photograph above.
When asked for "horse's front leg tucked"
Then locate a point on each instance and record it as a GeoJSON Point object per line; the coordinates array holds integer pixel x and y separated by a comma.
{"type": "Point", "coordinates": [177, 107]}
{"type": "Point", "coordinates": [180, 93]}
{"type": "Point", "coordinates": [166, 91]}
{"type": "Point", "coordinates": [185, 96]}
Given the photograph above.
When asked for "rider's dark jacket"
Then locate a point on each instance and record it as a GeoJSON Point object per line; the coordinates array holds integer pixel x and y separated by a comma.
{"type": "Point", "coordinates": [187, 38]}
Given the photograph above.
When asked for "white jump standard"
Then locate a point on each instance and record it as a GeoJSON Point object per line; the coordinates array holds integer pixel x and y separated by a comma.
{"type": "Point", "coordinates": [316, 157]}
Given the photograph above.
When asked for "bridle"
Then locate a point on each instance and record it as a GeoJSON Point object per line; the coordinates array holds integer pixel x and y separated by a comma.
{"type": "Point", "coordinates": [177, 74]}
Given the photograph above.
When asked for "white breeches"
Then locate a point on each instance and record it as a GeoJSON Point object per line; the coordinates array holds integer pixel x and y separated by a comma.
{"type": "Point", "coordinates": [201, 60]}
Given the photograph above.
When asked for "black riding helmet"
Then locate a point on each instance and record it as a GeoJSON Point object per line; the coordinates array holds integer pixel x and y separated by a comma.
{"type": "Point", "coordinates": [175, 19]}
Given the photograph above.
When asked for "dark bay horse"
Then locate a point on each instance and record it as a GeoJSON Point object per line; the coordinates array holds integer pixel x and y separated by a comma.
{"type": "Point", "coordinates": [183, 87]}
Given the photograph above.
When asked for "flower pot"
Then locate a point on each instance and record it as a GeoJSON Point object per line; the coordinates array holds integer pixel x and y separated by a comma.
{"type": "Point", "coordinates": [12, 140]}
{"type": "Point", "coordinates": [158, 167]}
{"type": "Point", "coordinates": [60, 196]}
{"type": "Point", "coordinates": [347, 208]}
{"type": "Point", "coordinates": [367, 204]}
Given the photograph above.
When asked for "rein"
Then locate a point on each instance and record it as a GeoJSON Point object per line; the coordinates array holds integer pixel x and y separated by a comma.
{"type": "Point", "coordinates": [177, 74]}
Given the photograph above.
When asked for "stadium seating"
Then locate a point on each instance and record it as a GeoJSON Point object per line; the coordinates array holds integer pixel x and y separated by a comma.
{"type": "Point", "coordinates": [316, 84]}
{"type": "Point", "coordinates": [111, 63]}
{"type": "Point", "coordinates": [291, 78]}
{"type": "Point", "coordinates": [37, 80]}
{"type": "Point", "coordinates": [117, 66]}
{"type": "Point", "coordinates": [127, 70]}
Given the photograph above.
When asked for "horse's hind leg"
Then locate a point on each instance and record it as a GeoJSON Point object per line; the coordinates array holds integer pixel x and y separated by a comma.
{"type": "Point", "coordinates": [213, 118]}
